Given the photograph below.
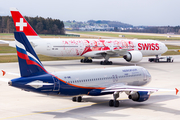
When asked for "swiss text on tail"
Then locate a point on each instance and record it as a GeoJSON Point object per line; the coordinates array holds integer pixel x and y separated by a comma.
{"type": "Point", "coordinates": [22, 25]}
{"type": "Point", "coordinates": [29, 62]}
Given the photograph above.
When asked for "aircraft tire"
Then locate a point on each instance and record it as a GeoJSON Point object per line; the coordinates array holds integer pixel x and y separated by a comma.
{"type": "Point", "coordinates": [74, 99]}
{"type": "Point", "coordinates": [89, 61]}
{"type": "Point", "coordinates": [111, 103]}
{"type": "Point", "coordinates": [116, 103]}
{"type": "Point", "coordinates": [106, 63]}
{"type": "Point", "coordinates": [85, 60]}
{"type": "Point", "coordinates": [157, 60]}
{"type": "Point", "coordinates": [82, 60]}
{"type": "Point", "coordinates": [79, 99]}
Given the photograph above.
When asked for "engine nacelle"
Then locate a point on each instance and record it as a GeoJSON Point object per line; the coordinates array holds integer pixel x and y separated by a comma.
{"type": "Point", "coordinates": [139, 96]}
{"type": "Point", "coordinates": [133, 56]}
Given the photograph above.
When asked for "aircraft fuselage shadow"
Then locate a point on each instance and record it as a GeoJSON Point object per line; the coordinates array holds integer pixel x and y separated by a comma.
{"type": "Point", "coordinates": [101, 109]}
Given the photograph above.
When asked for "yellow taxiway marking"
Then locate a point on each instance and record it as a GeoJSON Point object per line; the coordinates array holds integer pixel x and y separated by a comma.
{"type": "Point", "coordinates": [55, 110]}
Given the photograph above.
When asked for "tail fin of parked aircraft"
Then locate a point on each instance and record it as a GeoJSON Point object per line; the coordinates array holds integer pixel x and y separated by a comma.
{"type": "Point", "coordinates": [22, 25]}
{"type": "Point", "coordinates": [29, 62]}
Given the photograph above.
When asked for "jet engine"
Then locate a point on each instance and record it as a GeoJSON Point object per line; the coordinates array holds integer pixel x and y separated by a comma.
{"type": "Point", "coordinates": [139, 96]}
{"type": "Point", "coordinates": [133, 56]}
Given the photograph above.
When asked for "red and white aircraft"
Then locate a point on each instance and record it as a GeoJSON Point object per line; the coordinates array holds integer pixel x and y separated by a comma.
{"type": "Point", "coordinates": [131, 50]}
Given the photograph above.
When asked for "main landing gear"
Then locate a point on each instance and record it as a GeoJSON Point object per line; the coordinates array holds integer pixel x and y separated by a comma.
{"type": "Point", "coordinates": [77, 99]}
{"type": "Point", "coordinates": [114, 102]}
{"type": "Point", "coordinates": [106, 62]}
{"type": "Point", "coordinates": [86, 60]}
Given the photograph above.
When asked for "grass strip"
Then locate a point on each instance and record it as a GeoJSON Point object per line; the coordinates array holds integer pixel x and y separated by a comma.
{"type": "Point", "coordinates": [129, 36]}
{"type": "Point", "coordinates": [13, 58]}
{"type": "Point", "coordinates": [7, 49]}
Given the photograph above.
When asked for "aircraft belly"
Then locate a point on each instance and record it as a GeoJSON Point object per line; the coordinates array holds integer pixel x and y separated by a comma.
{"type": "Point", "coordinates": [91, 54]}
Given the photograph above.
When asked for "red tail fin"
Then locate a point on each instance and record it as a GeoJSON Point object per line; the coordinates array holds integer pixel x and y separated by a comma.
{"type": "Point", "coordinates": [21, 24]}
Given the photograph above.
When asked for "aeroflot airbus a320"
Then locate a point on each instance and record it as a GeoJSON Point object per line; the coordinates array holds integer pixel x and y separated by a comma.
{"type": "Point", "coordinates": [131, 50]}
{"type": "Point", "coordinates": [93, 82]}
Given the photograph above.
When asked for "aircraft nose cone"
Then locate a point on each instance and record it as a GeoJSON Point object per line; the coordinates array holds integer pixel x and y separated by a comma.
{"type": "Point", "coordinates": [10, 83]}
{"type": "Point", "coordinates": [149, 77]}
{"type": "Point", "coordinates": [166, 49]}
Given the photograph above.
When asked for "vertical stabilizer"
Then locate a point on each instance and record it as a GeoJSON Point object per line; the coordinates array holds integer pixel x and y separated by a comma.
{"type": "Point", "coordinates": [29, 62]}
{"type": "Point", "coordinates": [22, 25]}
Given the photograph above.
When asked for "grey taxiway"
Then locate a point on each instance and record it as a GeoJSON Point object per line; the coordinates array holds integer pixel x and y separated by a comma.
{"type": "Point", "coordinates": [16, 104]}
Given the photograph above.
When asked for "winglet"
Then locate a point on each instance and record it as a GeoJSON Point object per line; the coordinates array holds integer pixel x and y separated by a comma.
{"type": "Point", "coordinates": [3, 72]}
{"type": "Point", "coordinates": [176, 91]}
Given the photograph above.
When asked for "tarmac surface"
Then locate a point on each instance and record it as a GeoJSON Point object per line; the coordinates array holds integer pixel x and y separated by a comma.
{"type": "Point", "coordinates": [173, 42]}
{"type": "Point", "coordinates": [16, 104]}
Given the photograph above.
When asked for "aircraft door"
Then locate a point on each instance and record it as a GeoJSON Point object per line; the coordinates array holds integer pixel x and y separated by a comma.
{"type": "Point", "coordinates": [115, 78]}
{"type": "Point", "coordinates": [111, 46]}
{"type": "Point", "coordinates": [80, 47]}
{"type": "Point", "coordinates": [144, 75]}
{"type": "Point", "coordinates": [48, 46]}
{"type": "Point", "coordinates": [56, 84]}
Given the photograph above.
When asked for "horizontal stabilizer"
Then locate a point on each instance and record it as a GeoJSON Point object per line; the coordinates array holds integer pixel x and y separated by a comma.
{"type": "Point", "coordinates": [4, 42]}
{"type": "Point", "coordinates": [40, 84]}
{"type": "Point", "coordinates": [5, 80]}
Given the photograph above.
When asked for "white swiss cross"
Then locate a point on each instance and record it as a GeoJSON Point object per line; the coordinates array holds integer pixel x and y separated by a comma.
{"type": "Point", "coordinates": [21, 24]}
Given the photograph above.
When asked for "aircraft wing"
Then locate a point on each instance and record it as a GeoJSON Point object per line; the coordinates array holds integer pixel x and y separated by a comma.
{"type": "Point", "coordinates": [118, 52]}
{"type": "Point", "coordinates": [113, 52]}
{"type": "Point", "coordinates": [4, 80]}
{"type": "Point", "coordinates": [11, 43]}
{"type": "Point", "coordinates": [132, 89]}
{"type": "Point", "coordinates": [4, 41]}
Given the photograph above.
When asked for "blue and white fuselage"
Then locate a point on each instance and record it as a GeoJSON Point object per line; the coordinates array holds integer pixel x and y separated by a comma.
{"type": "Point", "coordinates": [80, 82]}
